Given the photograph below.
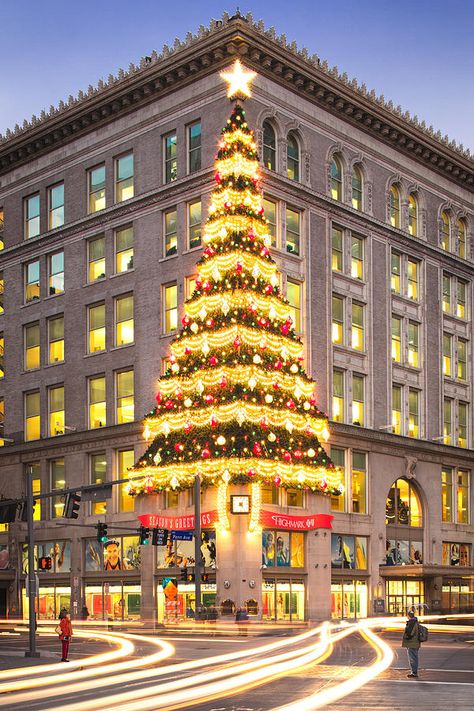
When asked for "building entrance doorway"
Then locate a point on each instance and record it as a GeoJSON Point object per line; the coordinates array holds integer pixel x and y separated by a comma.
{"type": "Point", "coordinates": [403, 595]}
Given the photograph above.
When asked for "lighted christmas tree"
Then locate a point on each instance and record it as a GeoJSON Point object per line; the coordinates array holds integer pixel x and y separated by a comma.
{"type": "Point", "coordinates": [235, 404]}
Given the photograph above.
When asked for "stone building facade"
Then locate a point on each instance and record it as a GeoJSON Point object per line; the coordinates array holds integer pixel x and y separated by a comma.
{"type": "Point", "coordinates": [101, 206]}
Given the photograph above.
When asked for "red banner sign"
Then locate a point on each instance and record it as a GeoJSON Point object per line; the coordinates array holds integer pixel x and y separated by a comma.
{"type": "Point", "coordinates": [272, 519]}
{"type": "Point", "coordinates": [177, 523]}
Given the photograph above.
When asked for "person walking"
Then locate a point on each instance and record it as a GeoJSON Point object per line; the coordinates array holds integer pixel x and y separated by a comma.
{"type": "Point", "coordinates": [65, 633]}
{"type": "Point", "coordinates": [411, 643]}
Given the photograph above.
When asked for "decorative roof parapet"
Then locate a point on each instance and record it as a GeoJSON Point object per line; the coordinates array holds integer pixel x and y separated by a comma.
{"type": "Point", "coordinates": [216, 26]}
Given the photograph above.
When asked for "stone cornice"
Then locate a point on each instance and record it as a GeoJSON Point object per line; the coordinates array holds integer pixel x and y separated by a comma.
{"type": "Point", "coordinates": [206, 54]}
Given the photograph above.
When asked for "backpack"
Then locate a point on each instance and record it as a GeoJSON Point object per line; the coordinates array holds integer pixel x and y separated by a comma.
{"type": "Point", "coordinates": [422, 633]}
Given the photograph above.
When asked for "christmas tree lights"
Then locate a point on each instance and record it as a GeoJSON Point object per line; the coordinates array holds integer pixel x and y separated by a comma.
{"type": "Point", "coordinates": [235, 404]}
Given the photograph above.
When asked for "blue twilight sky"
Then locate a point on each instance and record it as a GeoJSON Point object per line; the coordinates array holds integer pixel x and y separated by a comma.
{"type": "Point", "coordinates": [419, 53]}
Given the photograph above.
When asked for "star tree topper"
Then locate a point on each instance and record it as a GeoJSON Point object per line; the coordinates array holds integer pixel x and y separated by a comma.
{"type": "Point", "coordinates": [238, 79]}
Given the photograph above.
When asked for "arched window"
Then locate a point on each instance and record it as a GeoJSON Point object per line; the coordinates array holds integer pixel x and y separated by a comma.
{"type": "Point", "coordinates": [356, 188]}
{"type": "Point", "coordinates": [336, 179]}
{"type": "Point", "coordinates": [461, 238]}
{"type": "Point", "coordinates": [269, 146]}
{"type": "Point", "coordinates": [394, 207]}
{"type": "Point", "coordinates": [403, 505]}
{"type": "Point", "coordinates": [412, 216]}
{"type": "Point", "coordinates": [445, 231]}
{"type": "Point", "coordinates": [293, 157]}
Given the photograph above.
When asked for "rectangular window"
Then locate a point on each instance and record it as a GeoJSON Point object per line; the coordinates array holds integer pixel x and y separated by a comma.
{"type": "Point", "coordinates": [413, 413]}
{"type": "Point", "coordinates": [270, 494]}
{"type": "Point", "coordinates": [97, 402]}
{"type": "Point", "coordinates": [125, 397]}
{"type": "Point", "coordinates": [337, 262]}
{"type": "Point", "coordinates": [98, 467]}
{"type": "Point", "coordinates": [397, 409]}
{"type": "Point", "coordinates": [56, 410]}
{"type": "Point", "coordinates": [58, 482]}
{"type": "Point", "coordinates": [32, 281]}
{"type": "Point", "coordinates": [2, 355]}
{"type": "Point", "coordinates": [358, 400]}
{"type": "Point", "coordinates": [294, 497]}
{"type": "Point", "coordinates": [124, 187]}
{"type": "Point", "coordinates": [32, 346]}
{"type": "Point", "coordinates": [124, 326]}
{"type": "Point", "coordinates": [96, 189]}
{"type": "Point", "coordinates": [96, 258]}
{"type": "Point", "coordinates": [461, 311]}
{"type": "Point", "coordinates": [96, 328]}
{"type": "Point", "coordinates": [396, 339]}
{"type": "Point", "coordinates": [446, 294]}
{"type": "Point", "coordinates": [462, 424]}
{"type": "Point", "coordinates": [338, 396]}
{"type": "Point", "coordinates": [270, 208]}
{"type": "Point", "coordinates": [413, 286]}
{"type": "Point", "coordinates": [447, 494]}
{"type": "Point", "coordinates": [194, 147]}
{"type": "Point", "coordinates": [447, 355]}
{"type": "Point", "coordinates": [36, 482]}
{"type": "Point", "coordinates": [293, 294]}
{"type": "Point", "coordinates": [2, 289]}
{"type": "Point", "coordinates": [292, 231]}
{"type": "Point", "coordinates": [125, 460]}
{"type": "Point", "coordinates": [413, 344]}
{"type": "Point", "coordinates": [338, 320]}
{"type": "Point", "coordinates": [32, 416]}
{"type": "Point", "coordinates": [338, 457]}
{"type": "Point", "coordinates": [56, 273]}
{"type": "Point", "coordinates": [357, 257]}
{"type": "Point", "coordinates": [462, 359]}
{"type": "Point", "coordinates": [194, 224]}
{"type": "Point", "coordinates": [171, 161]}
{"type": "Point", "coordinates": [56, 340]}
{"type": "Point", "coordinates": [357, 327]}
{"type": "Point", "coordinates": [462, 496]}
{"type": "Point", "coordinates": [170, 302]}
{"type": "Point", "coordinates": [359, 483]}
{"type": "Point", "coordinates": [171, 233]}
{"type": "Point", "coordinates": [123, 249]}
{"type": "Point", "coordinates": [190, 286]}
{"type": "Point", "coordinates": [447, 421]}
{"type": "Point", "coordinates": [56, 206]}
{"type": "Point", "coordinates": [395, 280]}
{"type": "Point", "coordinates": [32, 216]}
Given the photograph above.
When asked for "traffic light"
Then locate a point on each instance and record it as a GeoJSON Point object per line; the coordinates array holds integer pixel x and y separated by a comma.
{"type": "Point", "coordinates": [184, 575]}
{"type": "Point", "coordinates": [72, 504]}
{"type": "Point", "coordinates": [102, 532]}
{"type": "Point", "coordinates": [24, 511]}
{"type": "Point", "coordinates": [8, 511]}
{"type": "Point", "coordinates": [191, 578]}
{"type": "Point", "coordinates": [45, 563]}
{"type": "Point", "coordinates": [204, 577]}
{"type": "Point", "coordinates": [144, 533]}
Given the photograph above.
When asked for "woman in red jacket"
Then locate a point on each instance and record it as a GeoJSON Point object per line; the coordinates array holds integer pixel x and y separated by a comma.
{"type": "Point", "coordinates": [65, 634]}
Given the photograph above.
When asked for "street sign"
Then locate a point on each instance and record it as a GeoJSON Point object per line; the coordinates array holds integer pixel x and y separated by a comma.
{"type": "Point", "coordinates": [97, 493]}
{"type": "Point", "coordinates": [181, 535]}
{"type": "Point", "coordinates": [159, 536]}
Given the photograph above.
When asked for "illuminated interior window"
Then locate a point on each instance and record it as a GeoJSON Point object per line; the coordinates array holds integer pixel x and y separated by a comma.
{"type": "Point", "coordinates": [447, 421]}
{"type": "Point", "coordinates": [461, 238]}
{"type": "Point", "coordinates": [32, 281]}
{"type": "Point", "coordinates": [446, 294]}
{"type": "Point", "coordinates": [124, 187]}
{"type": "Point", "coordinates": [462, 424]}
{"type": "Point", "coordinates": [194, 223]}
{"type": "Point", "coordinates": [293, 157]}
{"type": "Point", "coordinates": [445, 231]}
{"type": "Point", "coordinates": [412, 279]}
{"type": "Point", "coordinates": [336, 179]}
{"type": "Point", "coordinates": [396, 273]}
{"type": "Point", "coordinates": [36, 486]}
{"type": "Point", "coordinates": [338, 396]}
{"type": "Point", "coordinates": [294, 497]}
{"type": "Point", "coordinates": [56, 410]}
{"type": "Point", "coordinates": [359, 482]}
{"type": "Point", "coordinates": [358, 400]}
{"type": "Point", "coordinates": [337, 320]}
{"type": "Point", "coordinates": [461, 311]}
{"type": "Point", "coordinates": [97, 402]}
{"type": "Point", "coordinates": [96, 328]}
{"type": "Point", "coordinates": [403, 505]}
{"type": "Point", "coordinates": [96, 250]}
{"type": "Point", "coordinates": [293, 294]}
{"type": "Point", "coordinates": [170, 302]}
{"type": "Point", "coordinates": [447, 355]}
{"type": "Point", "coordinates": [56, 273]}
{"type": "Point", "coordinates": [32, 346]}
{"type": "Point", "coordinates": [293, 231]}
{"type": "Point", "coordinates": [337, 262]}
{"type": "Point", "coordinates": [190, 285]}
{"type": "Point", "coordinates": [124, 249]}
{"type": "Point", "coordinates": [56, 340]}
{"type": "Point", "coordinates": [2, 288]}
{"type": "Point", "coordinates": [125, 410]}
{"type": "Point", "coordinates": [357, 327]}
{"type": "Point", "coordinates": [462, 359]}
{"type": "Point", "coordinates": [271, 216]}
{"type": "Point", "coordinates": [396, 409]}
{"type": "Point", "coordinates": [32, 216]}
{"type": "Point", "coordinates": [2, 355]}
{"type": "Point", "coordinates": [124, 322]}
{"type": "Point", "coordinates": [171, 232]}
{"type": "Point", "coordinates": [56, 206]}
{"type": "Point", "coordinates": [413, 413]}
{"type": "Point", "coordinates": [269, 146]}
{"type": "Point", "coordinates": [396, 339]}
{"type": "Point", "coordinates": [394, 207]}
{"type": "Point", "coordinates": [357, 257]}
{"type": "Point", "coordinates": [412, 216]}
{"type": "Point", "coordinates": [462, 495]}
{"type": "Point", "coordinates": [32, 416]}
{"type": "Point", "coordinates": [125, 460]}
{"type": "Point", "coordinates": [413, 344]}
{"type": "Point", "coordinates": [194, 147]}
{"type": "Point", "coordinates": [171, 160]}
{"type": "Point", "coordinates": [447, 494]}
{"type": "Point", "coordinates": [58, 482]}
{"type": "Point", "coordinates": [338, 457]}
{"type": "Point", "coordinates": [98, 466]}
{"type": "Point", "coordinates": [96, 188]}
{"type": "Point", "coordinates": [356, 188]}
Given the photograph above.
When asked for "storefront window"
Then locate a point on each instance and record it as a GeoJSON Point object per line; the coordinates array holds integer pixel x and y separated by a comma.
{"type": "Point", "coordinates": [58, 551]}
{"type": "Point", "coordinates": [403, 506]}
{"type": "Point", "coordinates": [457, 595]}
{"type": "Point", "coordinates": [349, 599]}
{"type": "Point", "coordinates": [178, 602]}
{"type": "Point", "coordinates": [51, 600]}
{"type": "Point", "coordinates": [403, 595]}
{"type": "Point", "coordinates": [270, 494]}
{"type": "Point", "coordinates": [348, 552]}
{"type": "Point", "coordinates": [119, 553]}
{"type": "Point", "coordinates": [283, 549]}
{"type": "Point", "coordinates": [403, 552]}
{"type": "Point", "coordinates": [113, 602]}
{"type": "Point", "coordinates": [283, 599]}
{"type": "Point", "coordinates": [458, 554]}
{"type": "Point", "coordinates": [180, 554]}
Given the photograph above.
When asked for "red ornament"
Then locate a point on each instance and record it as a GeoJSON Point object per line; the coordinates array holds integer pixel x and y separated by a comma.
{"type": "Point", "coordinates": [227, 205]}
{"type": "Point", "coordinates": [179, 393]}
{"type": "Point", "coordinates": [209, 398]}
{"type": "Point", "coordinates": [285, 329]}
{"type": "Point", "coordinates": [188, 427]}
{"type": "Point", "coordinates": [206, 452]}
{"type": "Point", "coordinates": [251, 236]}
{"type": "Point", "coordinates": [158, 397]}
{"type": "Point", "coordinates": [237, 342]}
{"type": "Point", "coordinates": [217, 178]}
{"type": "Point", "coordinates": [261, 211]}
{"type": "Point", "coordinates": [210, 322]}
{"type": "Point", "coordinates": [213, 360]}
{"type": "Point", "coordinates": [278, 365]}
{"type": "Point", "coordinates": [287, 456]}
{"type": "Point", "coordinates": [187, 350]}
{"type": "Point", "coordinates": [252, 472]}
{"type": "Point", "coordinates": [269, 289]}
{"type": "Point", "coordinates": [276, 385]}
{"type": "Point", "coordinates": [179, 446]}
{"type": "Point", "coordinates": [209, 251]}
{"type": "Point", "coordinates": [238, 267]}
{"type": "Point", "coordinates": [277, 480]}
{"type": "Point", "coordinates": [297, 454]}
{"type": "Point", "coordinates": [198, 284]}
{"type": "Point", "coordinates": [185, 320]}
{"type": "Point", "coordinates": [257, 449]}
{"type": "Point", "coordinates": [323, 484]}
{"type": "Point", "coordinates": [207, 286]}
{"type": "Point", "coordinates": [223, 382]}
{"type": "Point", "coordinates": [265, 252]}
{"type": "Point", "coordinates": [262, 322]}
{"type": "Point", "coordinates": [290, 404]}
{"type": "Point", "coordinates": [169, 404]}
{"type": "Point", "coordinates": [214, 422]}
{"type": "Point", "coordinates": [263, 423]}
{"type": "Point", "coordinates": [253, 307]}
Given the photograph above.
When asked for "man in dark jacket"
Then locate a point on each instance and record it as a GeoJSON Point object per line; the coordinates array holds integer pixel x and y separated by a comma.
{"type": "Point", "coordinates": [412, 644]}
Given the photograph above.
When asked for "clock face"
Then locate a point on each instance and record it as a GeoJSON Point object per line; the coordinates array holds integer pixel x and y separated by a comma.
{"type": "Point", "coordinates": [240, 504]}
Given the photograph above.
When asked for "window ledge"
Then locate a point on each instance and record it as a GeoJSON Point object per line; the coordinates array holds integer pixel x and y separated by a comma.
{"type": "Point", "coordinates": [170, 256]}
{"type": "Point", "coordinates": [53, 296]}
{"type": "Point", "coordinates": [119, 348]}
{"type": "Point", "coordinates": [96, 353]}
{"type": "Point", "coordinates": [119, 274]}
{"type": "Point", "coordinates": [191, 250]}
{"type": "Point", "coordinates": [51, 365]}
{"type": "Point", "coordinates": [169, 335]}
{"type": "Point", "coordinates": [30, 303]}
{"type": "Point", "coordinates": [96, 281]}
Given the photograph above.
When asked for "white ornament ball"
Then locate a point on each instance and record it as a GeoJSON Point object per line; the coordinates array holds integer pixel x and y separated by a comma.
{"type": "Point", "coordinates": [221, 440]}
{"type": "Point", "coordinates": [268, 398]}
{"type": "Point", "coordinates": [307, 406]}
{"type": "Point", "coordinates": [271, 437]}
{"type": "Point", "coordinates": [188, 402]}
{"type": "Point", "coordinates": [257, 359]}
{"type": "Point", "coordinates": [311, 452]}
{"type": "Point", "coordinates": [294, 368]}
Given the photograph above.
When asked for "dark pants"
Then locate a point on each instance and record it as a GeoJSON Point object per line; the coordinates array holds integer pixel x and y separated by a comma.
{"type": "Point", "coordinates": [65, 644]}
{"type": "Point", "coordinates": [413, 660]}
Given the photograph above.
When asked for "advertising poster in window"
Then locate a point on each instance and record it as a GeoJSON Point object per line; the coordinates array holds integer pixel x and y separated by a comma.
{"type": "Point", "coordinates": [268, 548]}
{"type": "Point", "coordinates": [60, 554]}
{"type": "Point", "coordinates": [283, 549]}
{"type": "Point", "coordinates": [342, 552]}
{"type": "Point", "coordinates": [361, 553]}
{"type": "Point", "coordinates": [93, 555]}
{"type": "Point", "coordinates": [297, 550]}
{"type": "Point", "coordinates": [457, 554]}
{"type": "Point", "coordinates": [181, 554]}
{"type": "Point", "coordinates": [403, 552]}
{"type": "Point", "coordinates": [131, 552]}
{"type": "Point", "coordinates": [4, 558]}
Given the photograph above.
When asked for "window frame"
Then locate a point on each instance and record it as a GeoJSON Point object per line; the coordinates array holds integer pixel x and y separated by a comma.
{"type": "Point", "coordinates": [271, 164]}
{"type": "Point", "coordinates": [293, 162]}
{"type": "Point", "coordinates": [296, 250]}
{"type": "Point", "coordinates": [170, 162]}
{"type": "Point", "coordinates": [91, 403]}
{"type": "Point", "coordinates": [57, 413]}
{"type": "Point", "coordinates": [35, 416]}
{"type": "Point", "coordinates": [51, 341]}
{"type": "Point", "coordinates": [92, 262]}
{"type": "Point", "coordinates": [118, 252]}
{"type": "Point", "coordinates": [51, 209]}
{"type": "Point", "coordinates": [32, 283]}
{"type": "Point", "coordinates": [117, 323]}
{"type": "Point", "coordinates": [27, 328]}
{"type": "Point", "coordinates": [102, 187]}
{"type": "Point", "coordinates": [118, 398]}
{"type": "Point", "coordinates": [166, 310]}
{"type": "Point", "coordinates": [173, 249]}
{"type": "Point", "coordinates": [357, 186]}
{"type": "Point", "coordinates": [52, 291]}
{"type": "Point", "coordinates": [90, 330]}
{"type": "Point", "coordinates": [27, 219]}
{"type": "Point", "coordinates": [194, 225]}
{"type": "Point", "coordinates": [118, 181]}
{"type": "Point", "coordinates": [190, 150]}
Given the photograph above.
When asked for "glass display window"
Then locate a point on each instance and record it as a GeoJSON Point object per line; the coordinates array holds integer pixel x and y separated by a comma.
{"type": "Point", "coordinates": [456, 554]}
{"type": "Point", "coordinates": [348, 552]}
{"type": "Point", "coordinates": [116, 554]}
{"type": "Point", "coordinates": [180, 554]}
{"type": "Point", "coordinates": [116, 602]}
{"type": "Point", "coordinates": [283, 599]}
{"type": "Point", "coordinates": [50, 601]}
{"type": "Point", "coordinates": [349, 599]}
{"type": "Point", "coordinates": [283, 549]}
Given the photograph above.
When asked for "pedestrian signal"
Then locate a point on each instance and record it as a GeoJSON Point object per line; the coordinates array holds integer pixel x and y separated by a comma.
{"type": "Point", "coordinates": [184, 575]}
{"type": "Point", "coordinates": [45, 563]}
{"type": "Point", "coordinates": [204, 577]}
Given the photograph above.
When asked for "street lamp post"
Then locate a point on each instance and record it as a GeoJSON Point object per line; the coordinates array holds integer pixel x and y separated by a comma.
{"type": "Point", "coordinates": [32, 592]}
{"type": "Point", "coordinates": [197, 542]}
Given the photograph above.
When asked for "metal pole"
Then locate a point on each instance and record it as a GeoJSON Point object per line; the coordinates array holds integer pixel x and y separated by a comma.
{"type": "Point", "coordinates": [32, 652]}
{"type": "Point", "coordinates": [197, 541]}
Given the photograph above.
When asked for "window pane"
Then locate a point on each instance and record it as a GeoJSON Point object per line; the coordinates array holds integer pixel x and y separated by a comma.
{"type": "Point", "coordinates": [359, 483]}
{"type": "Point", "coordinates": [170, 158]}
{"type": "Point", "coordinates": [56, 339]}
{"type": "Point", "coordinates": [396, 273]}
{"type": "Point", "coordinates": [292, 231]}
{"type": "Point", "coordinates": [32, 347]}
{"type": "Point", "coordinates": [394, 207]}
{"type": "Point", "coordinates": [337, 320]}
{"type": "Point", "coordinates": [447, 493]}
{"type": "Point", "coordinates": [462, 424]}
{"type": "Point", "coordinates": [171, 233]}
{"type": "Point", "coordinates": [56, 411]}
{"type": "Point", "coordinates": [293, 158]}
{"type": "Point", "coordinates": [96, 328]}
{"type": "Point", "coordinates": [446, 294]}
{"type": "Point", "coordinates": [356, 188]}
{"type": "Point", "coordinates": [56, 206]}
{"type": "Point", "coordinates": [126, 459]}
{"type": "Point", "coordinates": [445, 231]}
{"type": "Point", "coordinates": [124, 320]}
{"type": "Point", "coordinates": [337, 250]}
{"type": "Point", "coordinates": [32, 216]}
{"type": "Point", "coordinates": [123, 250]}
{"type": "Point", "coordinates": [124, 187]}
{"type": "Point", "coordinates": [97, 189]}
{"type": "Point", "coordinates": [270, 209]}
{"type": "Point", "coordinates": [447, 420]}
{"type": "Point", "coordinates": [462, 496]}
{"type": "Point", "coordinates": [32, 416]}
{"type": "Point", "coordinates": [336, 179]}
{"type": "Point", "coordinates": [462, 359]}
{"type": "Point", "coordinates": [96, 259]}
{"type": "Point", "coordinates": [396, 339]}
{"type": "Point", "coordinates": [97, 402]}
{"type": "Point", "coordinates": [98, 464]}
{"type": "Point", "coordinates": [32, 282]}
{"type": "Point", "coordinates": [357, 258]}
{"type": "Point", "coordinates": [194, 224]}
{"type": "Point", "coordinates": [338, 396]}
{"type": "Point", "coordinates": [171, 308]}
{"type": "Point", "coordinates": [269, 146]}
{"type": "Point", "coordinates": [461, 300]}
{"type": "Point", "coordinates": [447, 354]}
{"type": "Point", "coordinates": [58, 481]}
{"type": "Point", "coordinates": [412, 216]}
{"type": "Point", "coordinates": [293, 294]}
{"type": "Point", "coordinates": [194, 143]}
{"type": "Point", "coordinates": [412, 280]}
{"type": "Point", "coordinates": [358, 400]}
{"type": "Point", "coordinates": [413, 413]}
{"type": "Point", "coordinates": [338, 457]}
{"type": "Point", "coordinates": [413, 345]}
{"type": "Point", "coordinates": [357, 332]}
{"type": "Point", "coordinates": [396, 409]}
{"type": "Point", "coordinates": [125, 397]}
{"type": "Point", "coordinates": [56, 273]}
